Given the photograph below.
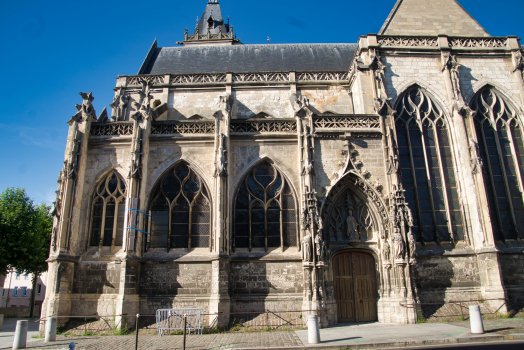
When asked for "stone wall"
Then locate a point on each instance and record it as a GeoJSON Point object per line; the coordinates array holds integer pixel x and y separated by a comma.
{"type": "Point", "coordinates": [260, 286]}
{"type": "Point", "coordinates": [445, 278]}
{"type": "Point", "coordinates": [96, 278]}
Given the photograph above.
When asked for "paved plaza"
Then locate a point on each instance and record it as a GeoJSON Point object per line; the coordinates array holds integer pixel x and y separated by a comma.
{"type": "Point", "coordinates": [342, 336]}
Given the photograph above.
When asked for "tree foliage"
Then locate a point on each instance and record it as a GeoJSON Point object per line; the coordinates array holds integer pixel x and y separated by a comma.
{"type": "Point", "coordinates": [25, 232]}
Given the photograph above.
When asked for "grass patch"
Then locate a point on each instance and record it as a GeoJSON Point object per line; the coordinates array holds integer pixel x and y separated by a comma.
{"type": "Point", "coordinates": [420, 317]}
{"type": "Point", "coordinates": [88, 333]}
{"type": "Point", "coordinates": [121, 331]}
{"type": "Point", "coordinates": [39, 336]}
{"type": "Point", "coordinates": [461, 318]}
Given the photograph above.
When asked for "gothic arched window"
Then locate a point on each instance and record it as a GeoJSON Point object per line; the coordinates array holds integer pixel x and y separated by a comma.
{"type": "Point", "coordinates": [108, 211]}
{"type": "Point", "coordinates": [501, 148]}
{"type": "Point", "coordinates": [426, 165]}
{"type": "Point", "coordinates": [265, 210]}
{"type": "Point", "coordinates": [180, 210]}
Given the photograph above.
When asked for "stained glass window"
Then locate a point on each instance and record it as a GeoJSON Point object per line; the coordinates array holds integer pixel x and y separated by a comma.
{"type": "Point", "coordinates": [265, 210]}
{"type": "Point", "coordinates": [500, 146]}
{"type": "Point", "coordinates": [426, 167]}
{"type": "Point", "coordinates": [180, 210]}
{"type": "Point", "coordinates": [107, 225]}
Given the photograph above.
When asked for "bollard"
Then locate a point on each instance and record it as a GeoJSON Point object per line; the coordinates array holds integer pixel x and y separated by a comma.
{"type": "Point", "coordinates": [475, 319]}
{"type": "Point", "coordinates": [20, 340]}
{"type": "Point", "coordinates": [136, 328]}
{"type": "Point", "coordinates": [1, 321]}
{"type": "Point", "coordinates": [50, 329]}
{"type": "Point", "coordinates": [313, 333]}
{"type": "Point", "coordinates": [72, 345]}
{"type": "Point", "coordinates": [184, 341]}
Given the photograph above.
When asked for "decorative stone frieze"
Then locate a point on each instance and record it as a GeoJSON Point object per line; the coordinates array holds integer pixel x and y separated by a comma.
{"type": "Point", "coordinates": [263, 126]}
{"type": "Point", "coordinates": [174, 128]}
{"type": "Point", "coordinates": [111, 129]}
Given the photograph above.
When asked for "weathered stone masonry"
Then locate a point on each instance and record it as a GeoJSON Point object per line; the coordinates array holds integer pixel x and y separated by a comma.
{"type": "Point", "coordinates": [243, 179]}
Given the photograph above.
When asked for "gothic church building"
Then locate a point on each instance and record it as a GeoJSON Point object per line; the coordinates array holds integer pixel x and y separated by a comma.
{"type": "Point", "coordinates": [354, 181]}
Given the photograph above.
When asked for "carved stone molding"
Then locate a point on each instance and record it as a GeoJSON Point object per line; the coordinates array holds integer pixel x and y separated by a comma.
{"type": "Point", "coordinates": [322, 76]}
{"type": "Point", "coordinates": [347, 122]}
{"type": "Point", "coordinates": [260, 77]}
{"type": "Point", "coordinates": [263, 126]}
{"type": "Point", "coordinates": [152, 79]}
{"type": "Point", "coordinates": [407, 41]}
{"type": "Point", "coordinates": [197, 79]}
{"type": "Point", "coordinates": [85, 110]}
{"type": "Point", "coordinates": [478, 42]}
{"type": "Point", "coordinates": [174, 128]}
{"type": "Point", "coordinates": [111, 129]}
{"type": "Point", "coordinates": [220, 158]}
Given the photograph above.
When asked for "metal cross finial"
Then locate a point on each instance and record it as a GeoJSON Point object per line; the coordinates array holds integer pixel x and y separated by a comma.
{"type": "Point", "coordinates": [268, 39]}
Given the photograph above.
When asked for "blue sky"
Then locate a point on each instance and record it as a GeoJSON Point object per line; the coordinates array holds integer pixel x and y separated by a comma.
{"type": "Point", "coordinates": [53, 49]}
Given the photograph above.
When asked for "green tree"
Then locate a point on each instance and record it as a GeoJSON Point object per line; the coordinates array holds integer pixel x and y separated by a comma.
{"type": "Point", "coordinates": [25, 233]}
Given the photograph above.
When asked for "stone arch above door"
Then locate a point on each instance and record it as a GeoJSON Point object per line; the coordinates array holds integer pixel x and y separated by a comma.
{"type": "Point", "coordinates": [353, 212]}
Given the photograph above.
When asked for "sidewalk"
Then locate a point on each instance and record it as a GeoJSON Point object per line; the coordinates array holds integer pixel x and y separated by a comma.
{"type": "Point", "coordinates": [344, 336]}
{"type": "Point", "coordinates": [8, 331]}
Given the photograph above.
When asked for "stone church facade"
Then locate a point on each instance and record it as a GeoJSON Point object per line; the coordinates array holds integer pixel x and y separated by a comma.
{"type": "Point", "coordinates": [349, 180]}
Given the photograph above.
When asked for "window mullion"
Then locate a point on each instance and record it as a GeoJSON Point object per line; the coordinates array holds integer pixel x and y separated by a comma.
{"type": "Point", "coordinates": [170, 222]}
{"type": "Point", "coordinates": [415, 188]}
{"type": "Point", "coordinates": [505, 177]}
{"type": "Point", "coordinates": [190, 223]}
{"type": "Point", "coordinates": [281, 218]}
{"type": "Point", "coordinates": [103, 226]}
{"type": "Point", "coordinates": [250, 229]}
{"type": "Point", "coordinates": [493, 190]}
{"type": "Point", "coordinates": [443, 179]}
{"type": "Point", "coordinates": [115, 224]}
{"type": "Point", "coordinates": [515, 160]}
{"type": "Point", "coordinates": [430, 188]}
{"type": "Point", "coordinates": [265, 218]}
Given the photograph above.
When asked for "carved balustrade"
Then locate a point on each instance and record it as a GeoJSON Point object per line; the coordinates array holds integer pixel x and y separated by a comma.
{"type": "Point", "coordinates": [263, 126]}
{"type": "Point", "coordinates": [197, 79]}
{"type": "Point", "coordinates": [322, 76]}
{"type": "Point", "coordinates": [407, 41]}
{"type": "Point", "coordinates": [111, 129]}
{"type": "Point", "coordinates": [182, 127]}
{"type": "Point", "coordinates": [260, 77]}
{"type": "Point", "coordinates": [433, 42]}
{"type": "Point", "coordinates": [352, 122]}
{"type": "Point", "coordinates": [478, 42]}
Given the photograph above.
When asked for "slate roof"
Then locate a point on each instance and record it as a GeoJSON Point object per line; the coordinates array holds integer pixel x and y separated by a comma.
{"type": "Point", "coordinates": [212, 10]}
{"type": "Point", "coordinates": [249, 58]}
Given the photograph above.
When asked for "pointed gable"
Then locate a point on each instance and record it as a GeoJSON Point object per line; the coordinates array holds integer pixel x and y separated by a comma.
{"type": "Point", "coordinates": [212, 16]}
{"type": "Point", "coordinates": [431, 17]}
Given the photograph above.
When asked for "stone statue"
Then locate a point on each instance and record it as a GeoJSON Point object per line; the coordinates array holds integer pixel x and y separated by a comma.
{"type": "Point", "coordinates": [118, 106]}
{"type": "Point", "coordinates": [385, 251]}
{"type": "Point", "coordinates": [306, 248]}
{"type": "Point", "coordinates": [320, 247]}
{"type": "Point", "coordinates": [220, 158]}
{"type": "Point", "coordinates": [352, 226]}
{"type": "Point", "coordinates": [399, 245]}
{"type": "Point", "coordinates": [86, 109]}
{"type": "Point", "coordinates": [144, 105]}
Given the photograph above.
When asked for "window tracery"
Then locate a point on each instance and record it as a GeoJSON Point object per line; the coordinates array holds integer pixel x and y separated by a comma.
{"type": "Point", "coordinates": [501, 148]}
{"type": "Point", "coordinates": [180, 210]}
{"type": "Point", "coordinates": [108, 211]}
{"type": "Point", "coordinates": [427, 168]}
{"type": "Point", "coordinates": [265, 210]}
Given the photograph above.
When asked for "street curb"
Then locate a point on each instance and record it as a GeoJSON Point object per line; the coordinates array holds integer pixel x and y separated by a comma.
{"type": "Point", "coordinates": [404, 344]}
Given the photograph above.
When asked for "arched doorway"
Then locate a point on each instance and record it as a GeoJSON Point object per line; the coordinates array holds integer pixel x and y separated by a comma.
{"type": "Point", "coordinates": [355, 286]}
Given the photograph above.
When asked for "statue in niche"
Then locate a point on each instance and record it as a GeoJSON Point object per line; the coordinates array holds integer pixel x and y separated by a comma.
{"type": "Point", "coordinates": [352, 225]}
{"type": "Point", "coordinates": [398, 245]}
{"type": "Point", "coordinates": [220, 160]}
{"type": "Point", "coordinates": [320, 246]}
{"type": "Point", "coordinates": [306, 248]}
{"type": "Point", "coordinates": [385, 251]}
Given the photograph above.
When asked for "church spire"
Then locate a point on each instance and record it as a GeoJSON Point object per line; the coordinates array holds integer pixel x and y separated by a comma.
{"type": "Point", "coordinates": [431, 17]}
{"type": "Point", "coordinates": [211, 28]}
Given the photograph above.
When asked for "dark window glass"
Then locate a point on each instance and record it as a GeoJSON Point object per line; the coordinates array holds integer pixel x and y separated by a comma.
{"type": "Point", "coordinates": [426, 167]}
{"type": "Point", "coordinates": [500, 147]}
{"type": "Point", "coordinates": [265, 211]}
{"type": "Point", "coordinates": [180, 210]}
{"type": "Point", "coordinates": [108, 211]}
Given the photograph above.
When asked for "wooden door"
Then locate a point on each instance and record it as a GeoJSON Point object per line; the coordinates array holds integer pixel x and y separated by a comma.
{"type": "Point", "coordinates": [355, 286]}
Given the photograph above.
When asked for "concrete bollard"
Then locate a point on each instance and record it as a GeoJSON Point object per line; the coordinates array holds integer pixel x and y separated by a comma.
{"type": "Point", "coordinates": [20, 340]}
{"type": "Point", "coordinates": [50, 329]}
{"type": "Point", "coordinates": [313, 332]}
{"type": "Point", "coordinates": [1, 321]}
{"type": "Point", "coordinates": [475, 319]}
{"type": "Point", "coordinates": [72, 345]}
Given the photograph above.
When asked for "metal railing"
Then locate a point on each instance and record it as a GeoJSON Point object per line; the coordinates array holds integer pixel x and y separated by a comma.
{"type": "Point", "coordinates": [452, 308]}
{"type": "Point", "coordinates": [173, 320]}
